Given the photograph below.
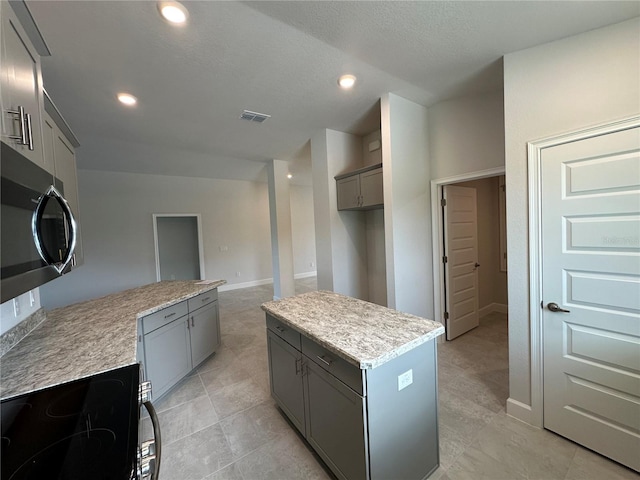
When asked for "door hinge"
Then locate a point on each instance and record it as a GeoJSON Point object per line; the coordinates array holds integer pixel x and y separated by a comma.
{"type": "Point", "coordinates": [445, 259]}
{"type": "Point", "coordinates": [446, 315]}
{"type": "Point", "coordinates": [443, 202]}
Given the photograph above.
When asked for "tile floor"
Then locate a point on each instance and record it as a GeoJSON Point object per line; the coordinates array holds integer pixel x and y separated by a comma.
{"type": "Point", "coordinates": [220, 422]}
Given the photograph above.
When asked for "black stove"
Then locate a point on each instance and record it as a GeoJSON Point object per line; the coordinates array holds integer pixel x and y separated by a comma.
{"type": "Point", "coordinates": [85, 429]}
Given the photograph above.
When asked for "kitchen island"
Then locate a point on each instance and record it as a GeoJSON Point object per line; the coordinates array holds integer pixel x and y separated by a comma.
{"type": "Point", "coordinates": [359, 381]}
{"type": "Point", "coordinates": [91, 337]}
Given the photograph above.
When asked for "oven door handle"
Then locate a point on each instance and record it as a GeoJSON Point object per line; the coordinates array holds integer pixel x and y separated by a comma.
{"type": "Point", "coordinates": [70, 229]}
{"type": "Point", "coordinates": [156, 438]}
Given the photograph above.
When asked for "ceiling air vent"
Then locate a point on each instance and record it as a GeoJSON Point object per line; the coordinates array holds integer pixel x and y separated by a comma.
{"type": "Point", "coordinates": [254, 116]}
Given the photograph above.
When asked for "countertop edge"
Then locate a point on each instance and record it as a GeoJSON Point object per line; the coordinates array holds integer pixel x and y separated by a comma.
{"type": "Point", "coordinates": [156, 308]}
{"type": "Point", "coordinates": [366, 364]}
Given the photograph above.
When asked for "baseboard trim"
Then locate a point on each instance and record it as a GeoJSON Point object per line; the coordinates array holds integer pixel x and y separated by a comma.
{"type": "Point", "coordinates": [264, 281]}
{"type": "Point", "coordinates": [520, 411]}
{"type": "Point", "coordinates": [298, 276]}
{"type": "Point", "coordinates": [493, 307]}
{"type": "Point", "coordinates": [253, 283]}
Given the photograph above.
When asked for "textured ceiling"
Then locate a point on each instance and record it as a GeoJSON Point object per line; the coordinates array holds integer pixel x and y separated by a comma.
{"type": "Point", "coordinates": [278, 58]}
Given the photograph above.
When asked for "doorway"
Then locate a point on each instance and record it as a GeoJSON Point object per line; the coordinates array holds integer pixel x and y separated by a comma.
{"type": "Point", "coordinates": [469, 284]}
{"type": "Point", "coordinates": [178, 247]}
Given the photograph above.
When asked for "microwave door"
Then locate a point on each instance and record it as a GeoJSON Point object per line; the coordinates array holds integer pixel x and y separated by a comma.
{"type": "Point", "coordinates": [54, 229]}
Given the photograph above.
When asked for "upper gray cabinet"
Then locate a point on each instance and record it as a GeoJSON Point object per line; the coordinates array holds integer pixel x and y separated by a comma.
{"type": "Point", "coordinates": [59, 144]}
{"type": "Point", "coordinates": [360, 189]}
{"type": "Point", "coordinates": [21, 89]}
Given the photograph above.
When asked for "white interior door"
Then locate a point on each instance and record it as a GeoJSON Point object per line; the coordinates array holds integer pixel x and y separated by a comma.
{"type": "Point", "coordinates": [460, 268]}
{"type": "Point", "coordinates": [590, 230]}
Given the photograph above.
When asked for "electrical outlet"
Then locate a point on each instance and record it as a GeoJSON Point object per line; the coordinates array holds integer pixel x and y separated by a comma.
{"type": "Point", "coordinates": [312, 264]}
{"type": "Point", "coordinates": [405, 379]}
{"type": "Point", "coordinates": [32, 298]}
{"type": "Point", "coordinates": [223, 248]}
{"type": "Point", "coordinates": [237, 274]}
{"type": "Point", "coordinates": [16, 307]}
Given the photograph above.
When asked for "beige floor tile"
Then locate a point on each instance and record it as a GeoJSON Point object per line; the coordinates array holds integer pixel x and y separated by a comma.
{"type": "Point", "coordinates": [588, 465]}
{"type": "Point", "coordinates": [183, 420]}
{"type": "Point", "coordinates": [252, 428]}
{"type": "Point", "coordinates": [237, 397]}
{"type": "Point", "coordinates": [196, 456]}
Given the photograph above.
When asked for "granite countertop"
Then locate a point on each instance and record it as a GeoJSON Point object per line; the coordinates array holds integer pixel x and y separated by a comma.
{"type": "Point", "coordinates": [89, 337]}
{"type": "Point", "coordinates": [364, 334]}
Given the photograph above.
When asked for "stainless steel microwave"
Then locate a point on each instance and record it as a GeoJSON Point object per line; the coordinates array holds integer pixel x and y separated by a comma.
{"type": "Point", "coordinates": [38, 230]}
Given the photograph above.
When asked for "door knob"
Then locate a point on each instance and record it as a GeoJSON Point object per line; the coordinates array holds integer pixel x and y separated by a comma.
{"type": "Point", "coordinates": [555, 308]}
{"type": "Point", "coordinates": [476, 265]}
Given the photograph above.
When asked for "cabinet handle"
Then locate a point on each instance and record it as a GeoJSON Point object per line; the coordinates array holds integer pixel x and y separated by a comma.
{"type": "Point", "coordinates": [22, 138]}
{"type": "Point", "coordinates": [170, 315]}
{"type": "Point", "coordinates": [326, 362]}
{"type": "Point", "coordinates": [192, 322]}
{"type": "Point", "coordinates": [29, 132]}
{"type": "Point", "coordinates": [280, 329]}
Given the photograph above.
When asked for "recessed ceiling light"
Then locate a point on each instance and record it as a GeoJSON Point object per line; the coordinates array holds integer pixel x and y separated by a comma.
{"type": "Point", "coordinates": [347, 81]}
{"type": "Point", "coordinates": [289, 176]}
{"type": "Point", "coordinates": [127, 99]}
{"type": "Point", "coordinates": [173, 12]}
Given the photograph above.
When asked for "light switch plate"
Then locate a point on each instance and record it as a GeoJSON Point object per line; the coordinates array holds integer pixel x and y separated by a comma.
{"type": "Point", "coordinates": [405, 379]}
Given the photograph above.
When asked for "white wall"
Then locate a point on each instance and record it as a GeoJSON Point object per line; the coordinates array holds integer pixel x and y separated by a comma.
{"type": "Point", "coordinates": [118, 233]}
{"type": "Point", "coordinates": [466, 135]}
{"type": "Point", "coordinates": [407, 204]}
{"type": "Point", "coordinates": [303, 229]}
{"type": "Point", "coordinates": [562, 86]}
{"type": "Point", "coordinates": [340, 236]}
{"type": "Point", "coordinates": [8, 317]}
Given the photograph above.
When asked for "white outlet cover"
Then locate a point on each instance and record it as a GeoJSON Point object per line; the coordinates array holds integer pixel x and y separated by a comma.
{"type": "Point", "coordinates": [405, 379]}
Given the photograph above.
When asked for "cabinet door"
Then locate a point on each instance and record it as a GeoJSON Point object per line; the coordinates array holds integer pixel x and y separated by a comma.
{"type": "Point", "coordinates": [167, 355]}
{"type": "Point", "coordinates": [59, 152]}
{"type": "Point", "coordinates": [285, 375]}
{"type": "Point", "coordinates": [21, 87]}
{"type": "Point", "coordinates": [335, 422]}
{"type": "Point", "coordinates": [348, 192]}
{"type": "Point", "coordinates": [204, 332]}
{"type": "Point", "coordinates": [371, 188]}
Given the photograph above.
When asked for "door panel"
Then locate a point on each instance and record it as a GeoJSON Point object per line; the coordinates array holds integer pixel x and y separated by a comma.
{"type": "Point", "coordinates": [285, 375]}
{"type": "Point", "coordinates": [461, 246]}
{"type": "Point", "coordinates": [591, 267]}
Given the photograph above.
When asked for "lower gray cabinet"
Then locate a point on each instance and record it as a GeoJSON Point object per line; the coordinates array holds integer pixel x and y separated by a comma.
{"type": "Point", "coordinates": [176, 339]}
{"type": "Point", "coordinates": [285, 372]}
{"type": "Point", "coordinates": [167, 357]}
{"type": "Point", "coordinates": [364, 424]}
{"type": "Point", "coordinates": [335, 425]}
{"type": "Point", "coordinates": [204, 331]}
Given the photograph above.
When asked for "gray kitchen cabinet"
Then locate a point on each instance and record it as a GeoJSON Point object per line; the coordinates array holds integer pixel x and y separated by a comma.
{"type": "Point", "coordinates": [59, 150]}
{"type": "Point", "coordinates": [204, 331]}
{"type": "Point", "coordinates": [167, 355]}
{"type": "Point", "coordinates": [175, 340]}
{"type": "Point", "coordinates": [335, 422]}
{"type": "Point", "coordinates": [360, 189]}
{"type": "Point", "coordinates": [21, 90]}
{"type": "Point", "coordinates": [365, 424]}
{"type": "Point", "coordinates": [285, 372]}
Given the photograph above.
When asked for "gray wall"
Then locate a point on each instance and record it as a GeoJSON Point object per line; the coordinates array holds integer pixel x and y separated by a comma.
{"type": "Point", "coordinates": [117, 231]}
{"type": "Point", "coordinates": [178, 249]}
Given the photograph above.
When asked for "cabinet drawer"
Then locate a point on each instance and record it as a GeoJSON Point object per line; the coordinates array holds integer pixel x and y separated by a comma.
{"type": "Point", "coordinates": [283, 331]}
{"type": "Point", "coordinates": [329, 361]}
{"type": "Point", "coordinates": [203, 299]}
{"type": "Point", "coordinates": [164, 316]}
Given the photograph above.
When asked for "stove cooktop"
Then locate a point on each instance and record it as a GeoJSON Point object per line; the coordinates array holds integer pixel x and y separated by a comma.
{"type": "Point", "coordinates": [85, 429]}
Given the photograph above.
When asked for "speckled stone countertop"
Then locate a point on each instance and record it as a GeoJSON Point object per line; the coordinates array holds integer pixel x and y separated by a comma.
{"type": "Point", "coordinates": [364, 334]}
{"type": "Point", "coordinates": [89, 337]}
